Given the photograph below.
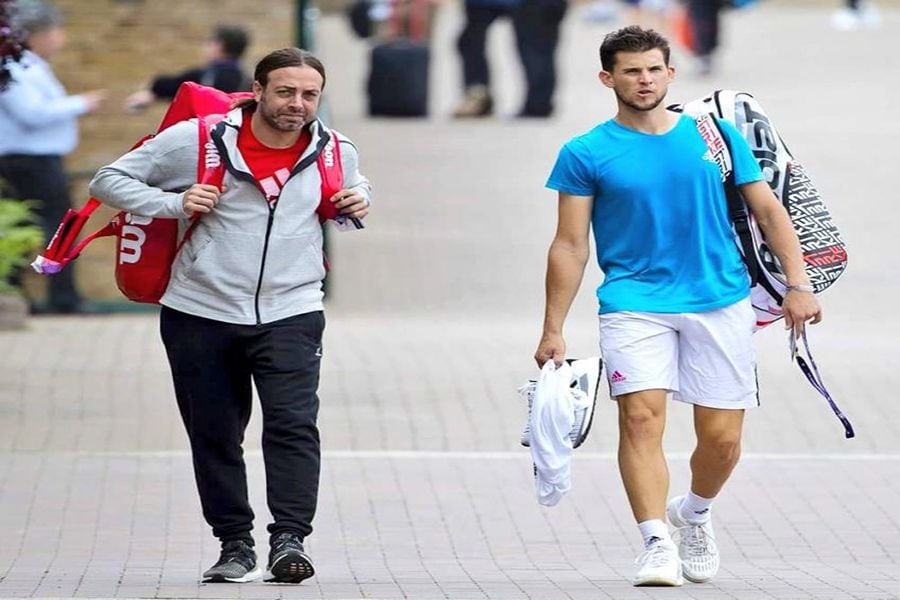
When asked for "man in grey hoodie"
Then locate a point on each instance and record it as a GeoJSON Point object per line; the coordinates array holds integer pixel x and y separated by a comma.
{"type": "Point", "coordinates": [244, 302]}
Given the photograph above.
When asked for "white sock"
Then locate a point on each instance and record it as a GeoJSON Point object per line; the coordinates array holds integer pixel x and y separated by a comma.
{"type": "Point", "coordinates": [653, 531]}
{"type": "Point", "coordinates": [695, 509]}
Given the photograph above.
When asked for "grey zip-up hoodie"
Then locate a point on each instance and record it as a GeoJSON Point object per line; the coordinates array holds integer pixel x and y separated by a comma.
{"type": "Point", "coordinates": [247, 262]}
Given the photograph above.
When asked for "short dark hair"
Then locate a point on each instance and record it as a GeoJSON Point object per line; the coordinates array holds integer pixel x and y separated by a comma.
{"type": "Point", "coordinates": [286, 57]}
{"type": "Point", "coordinates": [631, 39]}
{"type": "Point", "coordinates": [233, 39]}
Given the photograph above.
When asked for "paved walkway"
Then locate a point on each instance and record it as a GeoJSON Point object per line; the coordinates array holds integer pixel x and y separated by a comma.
{"type": "Point", "coordinates": [434, 314]}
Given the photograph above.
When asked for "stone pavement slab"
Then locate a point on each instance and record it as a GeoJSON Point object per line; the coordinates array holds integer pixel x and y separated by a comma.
{"type": "Point", "coordinates": [395, 525]}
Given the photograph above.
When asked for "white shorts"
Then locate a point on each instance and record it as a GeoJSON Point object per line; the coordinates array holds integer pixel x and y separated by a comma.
{"type": "Point", "coordinates": [707, 359]}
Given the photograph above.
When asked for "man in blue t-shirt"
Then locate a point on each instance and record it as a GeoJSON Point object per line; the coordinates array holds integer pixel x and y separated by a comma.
{"type": "Point", "coordinates": [675, 314]}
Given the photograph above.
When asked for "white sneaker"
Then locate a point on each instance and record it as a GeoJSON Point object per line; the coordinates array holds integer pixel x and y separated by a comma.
{"type": "Point", "coordinates": [659, 565]}
{"type": "Point", "coordinates": [585, 377]}
{"type": "Point", "coordinates": [696, 545]}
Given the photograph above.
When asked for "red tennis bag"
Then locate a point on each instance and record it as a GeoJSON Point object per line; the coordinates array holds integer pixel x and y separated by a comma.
{"type": "Point", "coordinates": [146, 247]}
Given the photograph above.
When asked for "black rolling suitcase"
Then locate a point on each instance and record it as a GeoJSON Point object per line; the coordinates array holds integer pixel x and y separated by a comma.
{"type": "Point", "coordinates": [398, 76]}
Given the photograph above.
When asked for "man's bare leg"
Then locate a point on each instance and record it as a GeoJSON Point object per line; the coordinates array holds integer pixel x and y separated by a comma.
{"type": "Point", "coordinates": [717, 452]}
{"type": "Point", "coordinates": [642, 421]}
{"type": "Point", "coordinates": [718, 448]}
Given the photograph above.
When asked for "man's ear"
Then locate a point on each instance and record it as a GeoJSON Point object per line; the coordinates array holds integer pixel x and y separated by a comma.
{"type": "Point", "coordinates": [605, 78]}
{"type": "Point", "coordinates": [257, 90]}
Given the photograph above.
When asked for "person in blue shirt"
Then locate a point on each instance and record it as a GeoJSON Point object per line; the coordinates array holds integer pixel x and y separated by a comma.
{"type": "Point", "coordinates": [38, 127]}
{"type": "Point", "coordinates": [675, 314]}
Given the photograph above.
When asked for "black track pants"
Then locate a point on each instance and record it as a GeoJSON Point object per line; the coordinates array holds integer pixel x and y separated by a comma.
{"type": "Point", "coordinates": [213, 364]}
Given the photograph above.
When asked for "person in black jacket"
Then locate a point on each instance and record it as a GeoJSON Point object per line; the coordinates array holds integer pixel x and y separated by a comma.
{"type": "Point", "coordinates": [223, 71]}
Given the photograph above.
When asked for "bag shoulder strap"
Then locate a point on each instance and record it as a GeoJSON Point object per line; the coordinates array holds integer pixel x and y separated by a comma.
{"type": "Point", "coordinates": [62, 248]}
{"type": "Point", "coordinates": [720, 151]}
{"type": "Point", "coordinates": [210, 166]}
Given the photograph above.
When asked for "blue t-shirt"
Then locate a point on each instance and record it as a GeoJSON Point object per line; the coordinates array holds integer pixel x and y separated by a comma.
{"type": "Point", "coordinates": [660, 216]}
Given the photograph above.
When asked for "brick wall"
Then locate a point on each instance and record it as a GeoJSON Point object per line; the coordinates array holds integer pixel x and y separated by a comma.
{"type": "Point", "coordinates": [119, 45]}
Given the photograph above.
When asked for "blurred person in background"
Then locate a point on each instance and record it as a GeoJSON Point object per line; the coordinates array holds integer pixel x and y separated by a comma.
{"type": "Point", "coordinates": [600, 11]}
{"type": "Point", "coordinates": [38, 127]}
{"type": "Point", "coordinates": [649, 14]}
{"type": "Point", "coordinates": [705, 20]}
{"type": "Point", "coordinates": [536, 24]}
{"type": "Point", "coordinates": [705, 24]}
{"type": "Point", "coordinates": [223, 70]}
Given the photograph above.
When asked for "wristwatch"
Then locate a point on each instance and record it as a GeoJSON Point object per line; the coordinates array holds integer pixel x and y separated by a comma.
{"type": "Point", "coordinates": [801, 287]}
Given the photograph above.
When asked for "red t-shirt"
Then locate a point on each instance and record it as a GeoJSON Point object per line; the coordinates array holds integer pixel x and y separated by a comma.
{"type": "Point", "coordinates": [271, 167]}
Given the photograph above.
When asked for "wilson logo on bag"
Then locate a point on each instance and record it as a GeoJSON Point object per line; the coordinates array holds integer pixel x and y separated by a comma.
{"type": "Point", "coordinates": [146, 247]}
{"type": "Point", "coordinates": [132, 238]}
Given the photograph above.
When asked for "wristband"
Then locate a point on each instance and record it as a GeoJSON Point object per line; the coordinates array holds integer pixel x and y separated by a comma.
{"type": "Point", "coordinates": [802, 287]}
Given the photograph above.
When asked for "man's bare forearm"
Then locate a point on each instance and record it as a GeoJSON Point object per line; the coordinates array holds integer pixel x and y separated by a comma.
{"type": "Point", "coordinates": [783, 241]}
{"type": "Point", "coordinates": [565, 269]}
{"type": "Point", "coordinates": [776, 224]}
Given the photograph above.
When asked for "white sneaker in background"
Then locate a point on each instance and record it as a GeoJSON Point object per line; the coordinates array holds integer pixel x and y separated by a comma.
{"type": "Point", "coordinates": [659, 565]}
{"type": "Point", "coordinates": [845, 19]}
{"type": "Point", "coordinates": [696, 545]}
{"type": "Point", "coordinates": [866, 15]}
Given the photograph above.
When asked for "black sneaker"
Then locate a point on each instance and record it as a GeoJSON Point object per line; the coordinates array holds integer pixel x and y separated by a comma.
{"type": "Point", "coordinates": [237, 564]}
{"type": "Point", "coordinates": [288, 563]}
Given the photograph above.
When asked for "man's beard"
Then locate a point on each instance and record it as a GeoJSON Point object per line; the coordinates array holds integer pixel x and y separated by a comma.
{"type": "Point", "coordinates": [638, 107]}
{"type": "Point", "coordinates": [271, 118]}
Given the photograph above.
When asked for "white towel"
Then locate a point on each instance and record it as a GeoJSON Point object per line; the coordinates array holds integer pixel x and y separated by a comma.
{"type": "Point", "coordinates": [552, 416]}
